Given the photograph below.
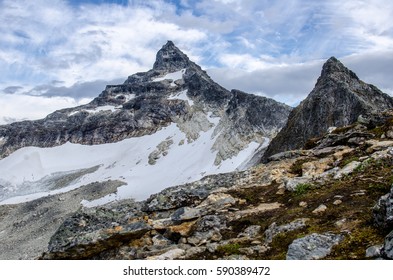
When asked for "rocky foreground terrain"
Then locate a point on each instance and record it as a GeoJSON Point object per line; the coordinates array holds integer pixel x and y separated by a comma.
{"type": "Point", "coordinates": [331, 200]}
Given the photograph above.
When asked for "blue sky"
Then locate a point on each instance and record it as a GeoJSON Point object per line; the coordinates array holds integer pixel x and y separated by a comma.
{"type": "Point", "coordinates": [58, 53]}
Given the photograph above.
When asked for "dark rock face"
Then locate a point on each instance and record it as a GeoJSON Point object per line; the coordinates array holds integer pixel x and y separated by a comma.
{"type": "Point", "coordinates": [171, 58]}
{"type": "Point", "coordinates": [338, 99]}
{"type": "Point", "coordinates": [249, 111]}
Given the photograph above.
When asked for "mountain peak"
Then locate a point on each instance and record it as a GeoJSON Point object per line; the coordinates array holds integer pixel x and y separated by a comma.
{"type": "Point", "coordinates": [169, 57]}
{"type": "Point", "coordinates": [334, 67]}
{"type": "Point", "coordinates": [337, 100]}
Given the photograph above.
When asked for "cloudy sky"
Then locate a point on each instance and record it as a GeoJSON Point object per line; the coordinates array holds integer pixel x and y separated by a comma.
{"type": "Point", "coordinates": [62, 53]}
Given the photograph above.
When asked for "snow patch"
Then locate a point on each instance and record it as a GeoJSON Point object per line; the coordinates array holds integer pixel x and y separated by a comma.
{"type": "Point", "coordinates": [251, 160]}
{"type": "Point", "coordinates": [174, 76]}
{"type": "Point", "coordinates": [127, 97]}
{"type": "Point", "coordinates": [102, 108]}
{"type": "Point", "coordinates": [182, 95]}
{"type": "Point", "coordinates": [96, 110]}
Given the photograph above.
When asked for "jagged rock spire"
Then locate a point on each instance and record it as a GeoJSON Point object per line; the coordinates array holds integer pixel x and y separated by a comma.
{"type": "Point", "coordinates": [333, 68]}
{"type": "Point", "coordinates": [170, 58]}
{"type": "Point", "coordinates": [338, 99]}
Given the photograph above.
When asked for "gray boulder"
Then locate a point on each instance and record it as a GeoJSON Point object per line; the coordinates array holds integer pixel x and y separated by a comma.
{"type": "Point", "coordinates": [387, 251]}
{"type": "Point", "coordinates": [383, 210]}
{"type": "Point", "coordinates": [374, 251]}
{"type": "Point", "coordinates": [274, 229]}
{"type": "Point", "coordinates": [313, 247]}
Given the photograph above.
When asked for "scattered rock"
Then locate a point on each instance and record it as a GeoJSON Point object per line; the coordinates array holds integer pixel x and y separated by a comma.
{"type": "Point", "coordinates": [201, 238]}
{"type": "Point", "coordinates": [186, 214]}
{"type": "Point", "coordinates": [254, 250]}
{"type": "Point", "coordinates": [162, 223]}
{"type": "Point", "coordinates": [194, 251]}
{"type": "Point", "coordinates": [250, 232]}
{"type": "Point", "coordinates": [337, 202]}
{"type": "Point", "coordinates": [281, 189]}
{"type": "Point", "coordinates": [374, 251]}
{"type": "Point", "coordinates": [359, 193]}
{"type": "Point", "coordinates": [236, 258]}
{"type": "Point", "coordinates": [387, 251]}
{"type": "Point", "coordinates": [170, 255]}
{"type": "Point", "coordinates": [347, 169]}
{"type": "Point", "coordinates": [210, 222]}
{"type": "Point", "coordinates": [274, 230]}
{"type": "Point", "coordinates": [341, 223]}
{"type": "Point", "coordinates": [383, 210]}
{"type": "Point", "coordinates": [313, 247]}
{"type": "Point", "coordinates": [292, 183]}
{"type": "Point", "coordinates": [212, 247]}
{"type": "Point", "coordinates": [303, 204]}
{"type": "Point", "coordinates": [320, 209]}
{"type": "Point", "coordinates": [184, 229]}
{"type": "Point", "coordinates": [159, 240]}
{"type": "Point", "coordinates": [217, 201]}
{"type": "Point", "coordinates": [263, 207]}
{"type": "Point", "coordinates": [287, 155]}
{"type": "Point", "coordinates": [378, 145]}
{"type": "Point", "coordinates": [315, 168]}
{"type": "Point", "coordinates": [92, 243]}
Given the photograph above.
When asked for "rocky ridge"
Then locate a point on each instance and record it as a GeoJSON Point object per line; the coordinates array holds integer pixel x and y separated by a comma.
{"type": "Point", "coordinates": [338, 99]}
{"type": "Point", "coordinates": [305, 204]}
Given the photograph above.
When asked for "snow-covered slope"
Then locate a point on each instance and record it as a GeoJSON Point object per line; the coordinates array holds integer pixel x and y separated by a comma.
{"type": "Point", "coordinates": [127, 161]}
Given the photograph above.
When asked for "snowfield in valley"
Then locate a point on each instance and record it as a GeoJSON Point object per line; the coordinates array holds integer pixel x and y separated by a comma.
{"type": "Point", "coordinates": [126, 161]}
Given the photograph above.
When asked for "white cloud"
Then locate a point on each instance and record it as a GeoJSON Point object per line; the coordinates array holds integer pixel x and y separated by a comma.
{"type": "Point", "coordinates": [16, 107]}
{"type": "Point", "coordinates": [290, 83]}
{"type": "Point", "coordinates": [287, 83]}
{"type": "Point", "coordinates": [255, 44]}
{"type": "Point", "coordinates": [83, 44]}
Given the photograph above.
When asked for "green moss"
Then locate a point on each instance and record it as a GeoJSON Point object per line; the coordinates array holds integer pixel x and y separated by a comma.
{"type": "Point", "coordinates": [302, 189]}
{"type": "Point", "coordinates": [355, 244]}
{"type": "Point", "coordinates": [229, 249]}
{"type": "Point", "coordinates": [279, 246]}
{"type": "Point", "coordinates": [378, 131]}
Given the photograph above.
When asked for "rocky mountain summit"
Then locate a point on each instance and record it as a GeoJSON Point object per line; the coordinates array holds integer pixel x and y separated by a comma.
{"type": "Point", "coordinates": [176, 90]}
{"type": "Point", "coordinates": [338, 99]}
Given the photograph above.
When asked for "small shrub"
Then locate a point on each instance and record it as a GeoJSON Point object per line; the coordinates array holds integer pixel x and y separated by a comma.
{"type": "Point", "coordinates": [302, 188]}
